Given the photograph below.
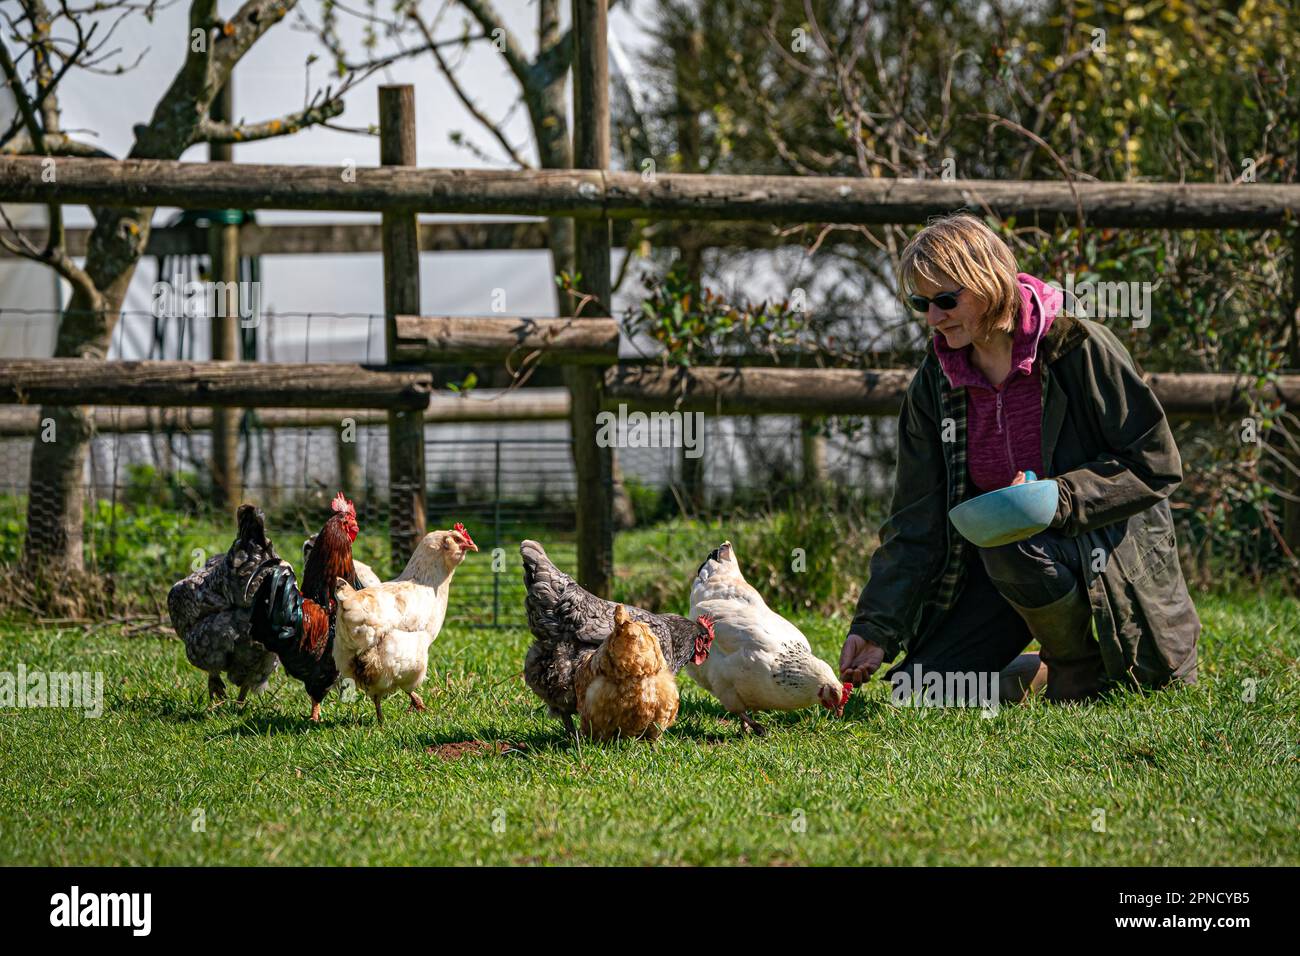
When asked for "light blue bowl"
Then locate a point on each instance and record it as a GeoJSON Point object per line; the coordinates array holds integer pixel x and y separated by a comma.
{"type": "Point", "coordinates": [1007, 514]}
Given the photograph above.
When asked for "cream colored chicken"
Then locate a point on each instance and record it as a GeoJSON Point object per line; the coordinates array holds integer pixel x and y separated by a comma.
{"type": "Point", "coordinates": [625, 688]}
{"type": "Point", "coordinates": [759, 660]}
{"type": "Point", "coordinates": [384, 631]}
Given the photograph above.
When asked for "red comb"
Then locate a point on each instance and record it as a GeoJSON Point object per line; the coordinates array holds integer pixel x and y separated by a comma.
{"type": "Point", "coordinates": [343, 505]}
{"type": "Point", "coordinates": [460, 529]}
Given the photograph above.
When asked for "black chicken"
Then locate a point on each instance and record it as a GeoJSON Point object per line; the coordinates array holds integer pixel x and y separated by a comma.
{"type": "Point", "coordinates": [298, 625]}
{"type": "Point", "coordinates": [210, 612]}
{"type": "Point", "coordinates": [569, 623]}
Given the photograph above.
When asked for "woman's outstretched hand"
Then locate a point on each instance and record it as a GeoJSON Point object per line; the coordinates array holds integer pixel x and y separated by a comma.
{"type": "Point", "coordinates": [860, 659]}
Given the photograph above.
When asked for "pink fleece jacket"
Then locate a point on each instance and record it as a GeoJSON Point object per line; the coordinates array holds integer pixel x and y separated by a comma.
{"type": "Point", "coordinates": [1004, 423]}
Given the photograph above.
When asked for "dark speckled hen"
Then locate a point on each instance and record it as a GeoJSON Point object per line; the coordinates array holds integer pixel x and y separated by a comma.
{"type": "Point", "coordinates": [569, 623]}
{"type": "Point", "coordinates": [210, 611]}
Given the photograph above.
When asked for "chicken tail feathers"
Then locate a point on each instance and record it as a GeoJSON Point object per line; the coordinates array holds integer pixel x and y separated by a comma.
{"type": "Point", "coordinates": [275, 620]}
{"type": "Point", "coordinates": [252, 528]}
{"type": "Point", "coordinates": [536, 563]}
{"type": "Point", "coordinates": [557, 606]}
{"type": "Point", "coordinates": [543, 581]}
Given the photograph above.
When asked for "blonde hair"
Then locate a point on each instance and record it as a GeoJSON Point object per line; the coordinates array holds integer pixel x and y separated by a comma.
{"type": "Point", "coordinates": [971, 254]}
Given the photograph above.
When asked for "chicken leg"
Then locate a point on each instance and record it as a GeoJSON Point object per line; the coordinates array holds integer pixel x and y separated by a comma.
{"type": "Point", "coordinates": [417, 702]}
{"type": "Point", "coordinates": [749, 723]}
{"type": "Point", "coordinates": [379, 710]}
{"type": "Point", "coordinates": [216, 690]}
{"type": "Point", "coordinates": [314, 716]}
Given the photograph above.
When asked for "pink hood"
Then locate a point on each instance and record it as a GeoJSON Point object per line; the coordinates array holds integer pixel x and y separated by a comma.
{"type": "Point", "coordinates": [1033, 325]}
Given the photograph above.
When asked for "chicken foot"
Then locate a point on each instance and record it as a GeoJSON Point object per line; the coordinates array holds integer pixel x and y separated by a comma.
{"type": "Point", "coordinates": [417, 702]}
{"type": "Point", "coordinates": [314, 716]}
{"type": "Point", "coordinates": [749, 723]}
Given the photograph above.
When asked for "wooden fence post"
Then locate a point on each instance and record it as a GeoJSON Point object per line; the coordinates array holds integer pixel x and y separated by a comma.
{"type": "Point", "coordinates": [350, 477]}
{"type": "Point", "coordinates": [812, 471]}
{"type": "Point", "coordinates": [223, 256]}
{"type": "Point", "coordinates": [1291, 508]}
{"type": "Point", "coordinates": [401, 239]}
{"type": "Point", "coordinates": [594, 466]}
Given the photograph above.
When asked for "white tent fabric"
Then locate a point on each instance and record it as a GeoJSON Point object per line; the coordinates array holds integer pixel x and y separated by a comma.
{"type": "Point", "coordinates": [29, 292]}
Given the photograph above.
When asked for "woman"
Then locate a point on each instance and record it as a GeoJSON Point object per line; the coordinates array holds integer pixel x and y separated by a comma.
{"type": "Point", "coordinates": [1011, 384]}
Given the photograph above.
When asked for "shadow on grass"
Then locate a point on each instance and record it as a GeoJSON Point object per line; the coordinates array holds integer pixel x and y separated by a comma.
{"type": "Point", "coordinates": [254, 716]}
{"type": "Point", "coordinates": [167, 709]}
{"type": "Point", "coordinates": [265, 722]}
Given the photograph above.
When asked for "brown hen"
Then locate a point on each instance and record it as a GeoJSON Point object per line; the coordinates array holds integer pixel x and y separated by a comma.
{"type": "Point", "coordinates": [625, 687]}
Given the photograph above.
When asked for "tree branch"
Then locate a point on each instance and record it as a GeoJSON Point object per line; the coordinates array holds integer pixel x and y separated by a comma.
{"type": "Point", "coordinates": [25, 108]}
{"type": "Point", "coordinates": [56, 144]}
{"type": "Point", "coordinates": [464, 98]}
{"type": "Point", "coordinates": [216, 131]}
{"type": "Point", "coordinates": [53, 256]}
{"type": "Point", "coordinates": [506, 42]}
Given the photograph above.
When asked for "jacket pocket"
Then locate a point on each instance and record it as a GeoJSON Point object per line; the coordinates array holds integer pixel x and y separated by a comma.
{"type": "Point", "coordinates": [1140, 545]}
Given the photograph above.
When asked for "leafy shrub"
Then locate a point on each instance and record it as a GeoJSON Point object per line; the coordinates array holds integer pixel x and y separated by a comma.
{"type": "Point", "coordinates": [807, 555]}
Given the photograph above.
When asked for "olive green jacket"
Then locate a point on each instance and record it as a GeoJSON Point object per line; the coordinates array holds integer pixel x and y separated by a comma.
{"type": "Point", "coordinates": [1108, 445]}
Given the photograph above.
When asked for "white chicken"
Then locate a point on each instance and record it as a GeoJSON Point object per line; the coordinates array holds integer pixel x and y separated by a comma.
{"type": "Point", "coordinates": [384, 631]}
{"type": "Point", "coordinates": [759, 660]}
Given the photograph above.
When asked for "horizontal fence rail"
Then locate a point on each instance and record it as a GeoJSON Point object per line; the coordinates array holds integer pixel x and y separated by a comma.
{"type": "Point", "coordinates": [776, 391]}
{"type": "Point", "coordinates": [549, 405]}
{"type": "Point", "coordinates": [317, 238]}
{"type": "Point", "coordinates": [753, 391]}
{"type": "Point", "coordinates": [211, 384]}
{"type": "Point", "coordinates": [592, 194]}
{"type": "Point", "coordinates": [467, 339]}
{"type": "Point", "coordinates": [338, 391]}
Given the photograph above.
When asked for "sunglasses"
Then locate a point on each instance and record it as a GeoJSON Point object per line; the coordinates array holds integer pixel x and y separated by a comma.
{"type": "Point", "coordinates": [944, 300]}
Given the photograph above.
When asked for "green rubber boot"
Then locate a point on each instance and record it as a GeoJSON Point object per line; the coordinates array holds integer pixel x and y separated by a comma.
{"type": "Point", "coordinates": [1063, 630]}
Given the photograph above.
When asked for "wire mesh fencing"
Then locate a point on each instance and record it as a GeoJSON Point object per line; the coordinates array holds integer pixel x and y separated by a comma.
{"type": "Point", "coordinates": [149, 517]}
{"type": "Point", "coordinates": [147, 485]}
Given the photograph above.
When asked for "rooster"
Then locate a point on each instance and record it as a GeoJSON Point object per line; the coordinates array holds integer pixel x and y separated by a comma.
{"type": "Point", "coordinates": [298, 625]}
{"type": "Point", "coordinates": [365, 575]}
{"type": "Point", "coordinates": [761, 660]}
{"type": "Point", "coordinates": [210, 611]}
{"type": "Point", "coordinates": [625, 688]}
{"type": "Point", "coordinates": [569, 623]}
{"type": "Point", "coordinates": [384, 631]}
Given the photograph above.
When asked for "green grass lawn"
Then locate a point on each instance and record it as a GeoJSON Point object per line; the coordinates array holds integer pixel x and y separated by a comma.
{"type": "Point", "coordinates": [1193, 776]}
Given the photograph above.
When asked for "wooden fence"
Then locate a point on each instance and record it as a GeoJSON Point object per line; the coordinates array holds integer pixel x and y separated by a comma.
{"type": "Point", "coordinates": [586, 347]}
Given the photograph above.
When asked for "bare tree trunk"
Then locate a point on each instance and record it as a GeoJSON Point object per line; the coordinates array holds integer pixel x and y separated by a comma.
{"type": "Point", "coordinates": [55, 507]}
{"type": "Point", "coordinates": [548, 112]}
{"type": "Point", "coordinates": [181, 118]}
